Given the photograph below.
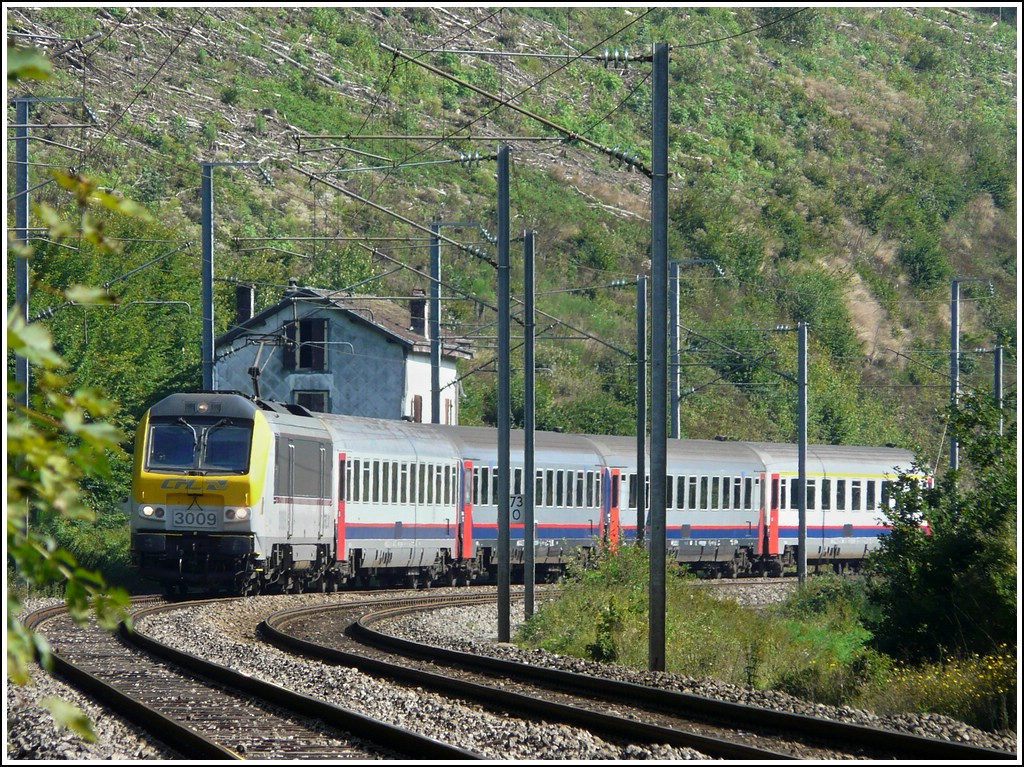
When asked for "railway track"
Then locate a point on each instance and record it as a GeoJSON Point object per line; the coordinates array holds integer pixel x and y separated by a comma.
{"type": "Point", "coordinates": [204, 710]}
{"type": "Point", "coordinates": [345, 635]}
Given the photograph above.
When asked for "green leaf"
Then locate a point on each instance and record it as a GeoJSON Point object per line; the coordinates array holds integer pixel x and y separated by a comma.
{"type": "Point", "coordinates": [70, 716]}
{"type": "Point", "coordinates": [27, 64]}
{"type": "Point", "coordinates": [84, 294]}
{"type": "Point", "coordinates": [31, 341]}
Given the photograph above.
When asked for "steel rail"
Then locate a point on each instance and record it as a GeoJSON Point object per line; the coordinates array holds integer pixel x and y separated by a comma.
{"type": "Point", "coordinates": [595, 721]}
{"type": "Point", "coordinates": [189, 743]}
{"type": "Point", "coordinates": [396, 738]}
{"type": "Point", "coordinates": [901, 745]}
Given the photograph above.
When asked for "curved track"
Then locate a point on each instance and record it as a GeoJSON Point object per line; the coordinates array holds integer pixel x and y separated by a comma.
{"type": "Point", "coordinates": [207, 711]}
{"type": "Point", "coordinates": [630, 712]}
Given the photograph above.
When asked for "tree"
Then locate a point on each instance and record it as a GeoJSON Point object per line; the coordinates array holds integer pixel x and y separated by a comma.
{"type": "Point", "coordinates": [952, 591]}
{"type": "Point", "coordinates": [53, 444]}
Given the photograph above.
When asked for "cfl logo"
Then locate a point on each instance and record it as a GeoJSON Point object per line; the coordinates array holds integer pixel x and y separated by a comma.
{"type": "Point", "coordinates": [195, 485]}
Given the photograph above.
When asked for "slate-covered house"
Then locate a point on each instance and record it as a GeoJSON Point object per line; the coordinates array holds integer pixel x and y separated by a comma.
{"type": "Point", "coordinates": [338, 353]}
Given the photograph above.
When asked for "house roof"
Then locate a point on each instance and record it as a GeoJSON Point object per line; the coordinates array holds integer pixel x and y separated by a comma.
{"type": "Point", "coordinates": [387, 316]}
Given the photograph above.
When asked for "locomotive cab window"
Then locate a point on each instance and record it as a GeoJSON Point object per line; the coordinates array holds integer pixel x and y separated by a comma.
{"type": "Point", "coordinates": [218, 446]}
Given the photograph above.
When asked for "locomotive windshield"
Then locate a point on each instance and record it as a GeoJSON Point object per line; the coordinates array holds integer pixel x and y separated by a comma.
{"type": "Point", "coordinates": [218, 446]}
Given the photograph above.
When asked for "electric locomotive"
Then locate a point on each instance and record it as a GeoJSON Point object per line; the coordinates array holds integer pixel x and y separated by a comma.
{"type": "Point", "coordinates": [235, 493]}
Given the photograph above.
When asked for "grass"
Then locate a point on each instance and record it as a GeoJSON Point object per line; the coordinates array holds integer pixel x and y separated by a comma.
{"type": "Point", "coordinates": [813, 645]}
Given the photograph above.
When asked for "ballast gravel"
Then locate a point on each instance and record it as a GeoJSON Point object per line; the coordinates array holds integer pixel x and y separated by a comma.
{"type": "Point", "coordinates": [226, 633]}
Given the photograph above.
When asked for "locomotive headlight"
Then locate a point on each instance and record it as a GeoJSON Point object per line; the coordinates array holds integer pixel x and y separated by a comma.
{"type": "Point", "coordinates": [239, 514]}
{"type": "Point", "coordinates": [151, 512]}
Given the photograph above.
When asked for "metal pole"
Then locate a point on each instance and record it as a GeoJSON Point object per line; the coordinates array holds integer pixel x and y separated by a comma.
{"type": "Point", "coordinates": [673, 329]}
{"type": "Point", "coordinates": [21, 275]}
{"type": "Point", "coordinates": [659, 372]}
{"type": "Point", "coordinates": [954, 368]}
{"type": "Point", "coordinates": [641, 407]}
{"type": "Point", "coordinates": [998, 385]}
{"type": "Point", "coordinates": [435, 324]}
{"type": "Point", "coordinates": [504, 298]}
{"type": "Point", "coordinates": [529, 423]}
{"type": "Point", "coordinates": [207, 235]}
{"type": "Point", "coordinates": [801, 418]}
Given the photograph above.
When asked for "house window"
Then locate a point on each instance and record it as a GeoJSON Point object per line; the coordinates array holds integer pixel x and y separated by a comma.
{"type": "Point", "coordinates": [307, 348]}
{"type": "Point", "coordinates": [316, 401]}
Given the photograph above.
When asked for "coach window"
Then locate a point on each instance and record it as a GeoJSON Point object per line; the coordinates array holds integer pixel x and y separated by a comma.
{"type": "Point", "coordinates": [357, 475]}
{"type": "Point", "coordinates": [494, 487]}
{"type": "Point", "coordinates": [826, 494]}
{"type": "Point", "coordinates": [404, 497]}
{"type": "Point", "coordinates": [841, 495]}
{"type": "Point", "coordinates": [783, 497]}
{"type": "Point", "coordinates": [887, 499]}
{"type": "Point", "coordinates": [871, 494]}
{"type": "Point", "coordinates": [590, 489]}
{"type": "Point", "coordinates": [376, 481]}
{"type": "Point", "coordinates": [855, 495]}
{"type": "Point", "coordinates": [811, 499]}
{"type": "Point", "coordinates": [385, 481]}
{"type": "Point", "coordinates": [367, 468]}
{"type": "Point", "coordinates": [748, 493]}
{"type": "Point", "coordinates": [579, 489]}
{"type": "Point", "coordinates": [670, 485]}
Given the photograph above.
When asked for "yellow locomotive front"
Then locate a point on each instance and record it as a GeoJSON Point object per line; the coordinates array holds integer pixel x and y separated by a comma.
{"type": "Point", "coordinates": [198, 479]}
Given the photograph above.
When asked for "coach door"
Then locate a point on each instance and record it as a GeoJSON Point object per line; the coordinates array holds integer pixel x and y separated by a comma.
{"type": "Point", "coordinates": [768, 527]}
{"type": "Point", "coordinates": [610, 507]}
{"type": "Point", "coordinates": [339, 553]}
{"type": "Point", "coordinates": [464, 512]}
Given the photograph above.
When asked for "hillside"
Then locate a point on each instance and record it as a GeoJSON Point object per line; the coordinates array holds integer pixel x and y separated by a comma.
{"type": "Point", "coordinates": [840, 165]}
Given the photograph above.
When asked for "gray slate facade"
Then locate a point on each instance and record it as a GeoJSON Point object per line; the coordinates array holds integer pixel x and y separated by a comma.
{"type": "Point", "coordinates": [340, 354]}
